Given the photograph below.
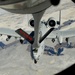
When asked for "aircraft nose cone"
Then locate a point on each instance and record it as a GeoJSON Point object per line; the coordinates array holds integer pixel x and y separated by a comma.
{"type": "Point", "coordinates": [73, 1]}
{"type": "Point", "coordinates": [55, 2]}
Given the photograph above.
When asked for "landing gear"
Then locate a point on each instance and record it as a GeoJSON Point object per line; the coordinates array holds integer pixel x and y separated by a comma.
{"type": "Point", "coordinates": [67, 39]}
{"type": "Point", "coordinates": [35, 61]}
{"type": "Point", "coordinates": [21, 41]}
{"type": "Point", "coordinates": [35, 53]}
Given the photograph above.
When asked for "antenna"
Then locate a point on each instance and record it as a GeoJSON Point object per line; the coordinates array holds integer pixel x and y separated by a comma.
{"type": "Point", "coordinates": [60, 17]}
{"type": "Point", "coordinates": [59, 22]}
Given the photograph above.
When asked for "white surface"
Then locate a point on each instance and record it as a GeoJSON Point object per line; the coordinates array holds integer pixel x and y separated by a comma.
{"type": "Point", "coordinates": [7, 31]}
{"type": "Point", "coordinates": [16, 59]}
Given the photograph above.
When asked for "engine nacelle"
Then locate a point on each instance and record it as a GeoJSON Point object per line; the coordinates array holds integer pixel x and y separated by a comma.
{"type": "Point", "coordinates": [51, 22]}
{"type": "Point", "coordinates": [21, 41]}
{"type": "Point", "coordinates": [31, 22]}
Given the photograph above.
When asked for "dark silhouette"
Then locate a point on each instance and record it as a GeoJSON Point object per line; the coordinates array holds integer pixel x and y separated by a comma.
{"type": "Point", "coordinates": [70, 70]}
{"type": "Point", "coordinates": [73, 1]}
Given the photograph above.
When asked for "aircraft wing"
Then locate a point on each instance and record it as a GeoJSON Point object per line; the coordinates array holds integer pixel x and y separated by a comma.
{"type": "Point", "coordinates": [9, 32]}
{"type": "Point", "coordinates": [59, 35]}
{"type": "Point", "coordinates": [33, 6]}
{"type": "Point", "coordinates": [67, 33]}
{"type": "Point", "coordinates": [63, 34]}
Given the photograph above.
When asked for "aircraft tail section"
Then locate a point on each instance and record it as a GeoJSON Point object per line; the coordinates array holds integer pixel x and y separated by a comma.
{"type": "Point", "coordinates": [29, 37]}
{"type": "Point", "coordinates": [25, 35]}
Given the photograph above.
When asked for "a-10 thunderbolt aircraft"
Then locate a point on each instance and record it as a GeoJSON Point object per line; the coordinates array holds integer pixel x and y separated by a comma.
{"type": "Point", "coordinates": [37, 8]}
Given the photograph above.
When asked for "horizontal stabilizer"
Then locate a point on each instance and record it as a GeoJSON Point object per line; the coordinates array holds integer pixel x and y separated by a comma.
{"type": "Point", "coordinates": [29, 37]}
{"type": "Point", "coordinates": [25, 35]}
{"type": "Point", "coordinates": [46, 34]}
